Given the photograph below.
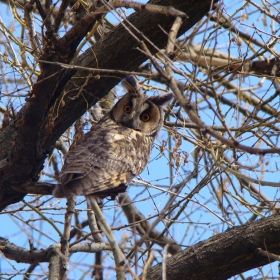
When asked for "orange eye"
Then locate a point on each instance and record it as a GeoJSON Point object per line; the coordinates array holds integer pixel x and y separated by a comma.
{"type": "Point", "coordinates": [127, 109]}
{"type": "Point", "coordinates": [145, 117]}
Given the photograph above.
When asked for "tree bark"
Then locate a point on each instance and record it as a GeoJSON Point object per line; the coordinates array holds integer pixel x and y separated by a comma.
{"type": "Point", "coordinates": [226, 254]}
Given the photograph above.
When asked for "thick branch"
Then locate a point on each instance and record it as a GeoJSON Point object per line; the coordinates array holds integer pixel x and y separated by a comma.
{"type": "Point", "coordinates": [226, 254]}
{"type": "Point", "coordinates": [21, 255]}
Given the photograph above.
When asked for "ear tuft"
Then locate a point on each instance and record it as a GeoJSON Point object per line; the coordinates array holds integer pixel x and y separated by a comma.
{"type": "Point", "coordinates": [161, 100]}
{"type": "Point", "coordinates": [130, 83]}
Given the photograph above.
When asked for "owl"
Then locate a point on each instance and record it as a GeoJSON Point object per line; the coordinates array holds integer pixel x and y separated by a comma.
{"type": "Point", "coordinates": [117, 150]}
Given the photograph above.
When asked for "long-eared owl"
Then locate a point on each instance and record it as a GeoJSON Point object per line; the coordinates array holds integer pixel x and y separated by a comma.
{"type": "Point", "coordinates": [117, 150]}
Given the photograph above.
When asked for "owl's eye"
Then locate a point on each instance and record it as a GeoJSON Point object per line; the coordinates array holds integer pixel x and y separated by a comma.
{"type": "Point", "coordinates": [127, 109]}
{"type": "Point", "coordinates": [145, 117]}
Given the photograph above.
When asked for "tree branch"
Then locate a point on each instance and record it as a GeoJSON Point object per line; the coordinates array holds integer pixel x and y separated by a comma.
{"type": "Point", "coordinates": [226, 254]}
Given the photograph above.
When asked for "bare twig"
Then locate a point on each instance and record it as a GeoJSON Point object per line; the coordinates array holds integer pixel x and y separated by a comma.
{"type": "Point", "coordinates": [93, 225]}
{"type": "Point", "coordinates": [133, 215]}
{"type": "Point", "coordinates": [118, 255]}
{"type": "Point", "coordinates": [65, 238]}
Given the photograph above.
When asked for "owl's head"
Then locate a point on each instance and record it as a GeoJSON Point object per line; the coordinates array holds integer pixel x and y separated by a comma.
{"type": "Point", "coordinates": [139, 112]}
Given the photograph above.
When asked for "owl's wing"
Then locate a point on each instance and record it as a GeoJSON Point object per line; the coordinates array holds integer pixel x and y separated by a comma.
{"type": "Point", "coordinates": [77, 164]}
{"type": "Point", "coordinates": [93, 167]}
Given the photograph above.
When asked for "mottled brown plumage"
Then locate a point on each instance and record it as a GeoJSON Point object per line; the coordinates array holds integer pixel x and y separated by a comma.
{"type": "Point", "coordinates": [117, 150]}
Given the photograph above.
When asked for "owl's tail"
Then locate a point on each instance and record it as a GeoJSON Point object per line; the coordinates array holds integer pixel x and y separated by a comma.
{"type": "Point", "coordinates": [58, 191]}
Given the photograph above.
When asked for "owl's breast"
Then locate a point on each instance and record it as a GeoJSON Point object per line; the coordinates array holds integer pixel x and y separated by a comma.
{"type": "Point", "coordinates": [126, 147]}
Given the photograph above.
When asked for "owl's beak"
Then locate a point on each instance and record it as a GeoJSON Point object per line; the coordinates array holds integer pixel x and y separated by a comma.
{"type": "Point", "coordinates": [130, 121]}
{"type": "Point", "coordinates": [131, 116]}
